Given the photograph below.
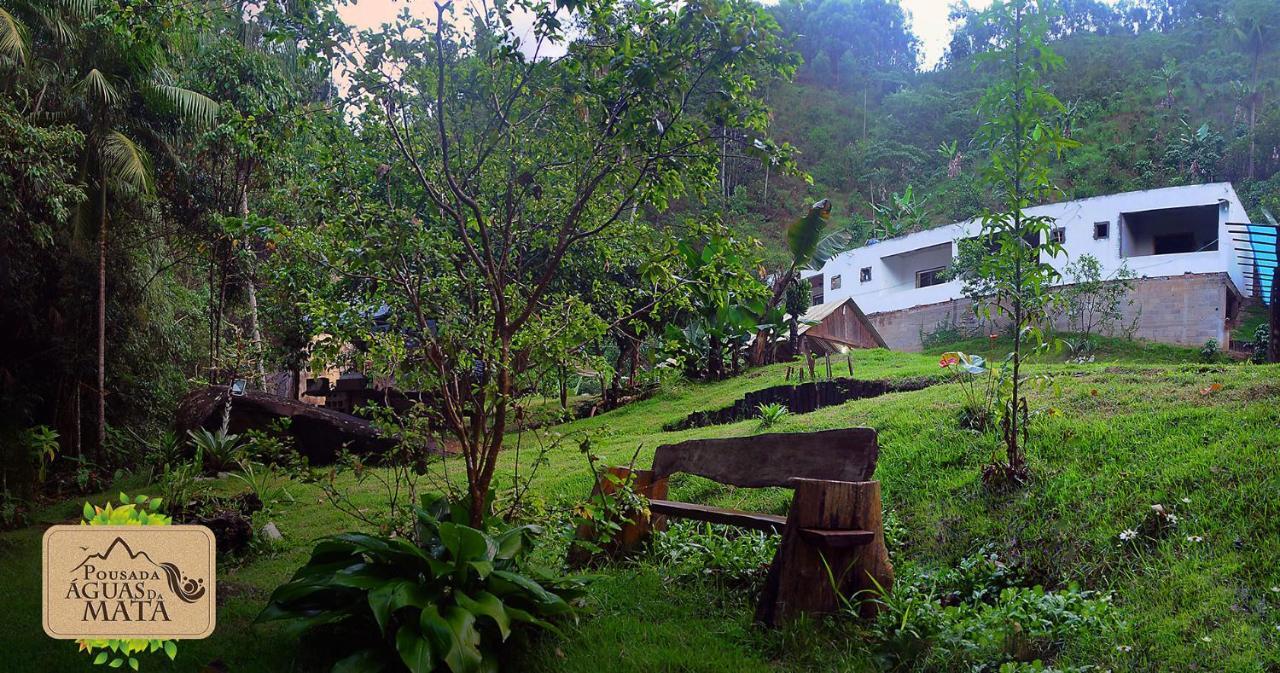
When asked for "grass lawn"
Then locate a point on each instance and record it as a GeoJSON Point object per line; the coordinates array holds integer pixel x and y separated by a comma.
{"type": "Point", "coordinates": [1127, 431]}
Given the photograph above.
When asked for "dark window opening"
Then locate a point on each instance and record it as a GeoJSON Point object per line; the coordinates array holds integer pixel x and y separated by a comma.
{"type": "Point", "coordinates": [931, 277]}
{"type": "Point", "coordinates": [1169, 231]}
{"type": "Point", "coordinates": [864, 276]}
{"type": "Point", "coordinates": [815, 289]}
{"type": "Point", "coordinates": [1101, 230]}
{"type": "Point", "coordinates": [835, 282]}
{"type": "Point", "coordinates": [1058, 235]}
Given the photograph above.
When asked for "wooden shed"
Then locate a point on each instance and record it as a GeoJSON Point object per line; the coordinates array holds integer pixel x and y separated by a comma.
{"type": "Point", "coordinates": [837, 326]}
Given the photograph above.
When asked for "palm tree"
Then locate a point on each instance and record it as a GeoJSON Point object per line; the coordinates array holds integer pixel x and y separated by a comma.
{"type": "Point", "coordinates": [1255, 24]}
{"type": "Point", "coordinates": [114, 88]}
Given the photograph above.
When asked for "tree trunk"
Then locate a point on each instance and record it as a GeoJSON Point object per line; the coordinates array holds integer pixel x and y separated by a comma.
{"type": "Point", "coordinates": [100, 449]}
{"type": "Point", "coordinates": [255, 333]}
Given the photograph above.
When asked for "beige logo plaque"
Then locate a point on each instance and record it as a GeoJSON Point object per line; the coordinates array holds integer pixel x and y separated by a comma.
{"type": "Point", "coordinates": [149, 582]}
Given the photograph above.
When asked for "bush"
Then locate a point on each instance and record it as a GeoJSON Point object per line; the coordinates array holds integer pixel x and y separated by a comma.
{"type": "Point", "coordinates": [444, 603]}
{"type": "Point", "coordinates": [1210, 351]}
{"type": "Point", "coordinates": [770, 415]}
{"type": "Point", "coordinates": [215, 451]}
{"type": "Point", "coordinates": [1261, 341]}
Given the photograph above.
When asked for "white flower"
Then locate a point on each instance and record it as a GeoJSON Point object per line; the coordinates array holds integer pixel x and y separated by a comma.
{"type": "Point", "coordinates": [1194, 538]}
{"type": "Point", "coordinates": [1128, 534]}
{"type": "Point", "coordinates": [1275, 589]}
{"type": "Point", "coordinates": [1186, 501]}
{"type": "Point", "coordinates": [1124, 648]}
{"type": "Point", "coordinates": [1206, 639]}
{"type": "Point", "coordinates": [1172, 519]}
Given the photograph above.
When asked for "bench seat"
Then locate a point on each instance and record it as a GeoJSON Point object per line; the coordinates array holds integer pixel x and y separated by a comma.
{"type": "Point", "coordinates": [769, 523]}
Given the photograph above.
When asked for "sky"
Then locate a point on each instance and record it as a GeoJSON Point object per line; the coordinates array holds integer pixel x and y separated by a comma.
{"type": "Point", "coordinates": [928, 20]}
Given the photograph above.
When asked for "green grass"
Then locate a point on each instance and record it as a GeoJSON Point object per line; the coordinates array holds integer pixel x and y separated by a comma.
{"type": "Point", "coordinates": [1127, 431]}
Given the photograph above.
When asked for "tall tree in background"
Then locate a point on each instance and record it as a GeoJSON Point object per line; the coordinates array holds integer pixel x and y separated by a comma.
{"type": "Point", "coordinates": [1256, 24]}
{"type": "Point", "coordinates": [1018, 132]}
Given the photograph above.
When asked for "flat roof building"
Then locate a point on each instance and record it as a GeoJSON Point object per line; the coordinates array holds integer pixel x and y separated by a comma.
{"type": "Point", "coordinates": [1190, 277]}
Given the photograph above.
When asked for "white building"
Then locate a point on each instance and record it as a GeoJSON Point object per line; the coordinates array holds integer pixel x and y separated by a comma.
{"type": "Point", "coordinates": [1190, 276]}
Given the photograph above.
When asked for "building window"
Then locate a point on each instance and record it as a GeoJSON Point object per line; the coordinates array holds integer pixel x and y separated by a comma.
{"type": "Point", "coordinates": [1101, 230]}
{"type": "Point", "coordinates": [835, 282]}
{"type": "Point", "coordinates": [1058, 235]}
{"type": "Point", "coordinates": [864, 276]}
{"type": "Point", "coordinates": [931, 277]}
{"type": "Point", "coordinates": [815, 289]}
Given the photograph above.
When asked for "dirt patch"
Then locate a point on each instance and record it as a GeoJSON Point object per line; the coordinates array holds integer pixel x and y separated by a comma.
{"type": "Point", "coordinates": [802, 398]}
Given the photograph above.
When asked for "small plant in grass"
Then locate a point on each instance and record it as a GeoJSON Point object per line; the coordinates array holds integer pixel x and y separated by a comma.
{"type": "Point", "coordinates": [445, 602]}
{"type": "Point", "coordinates": [216, 451]}
{"type": "Point", "coordinates": [614, 502]}
{"type": "Point", "coordinates": [1210, 352]}
{"type": "Point", "coordinates": [1261, 341]}
{"type": "Point", "coordinates": [979, 384]}
{"type": "Point", "coordinates": [770, 415]}
{"type": "Point", "coordinates": [264, 481]}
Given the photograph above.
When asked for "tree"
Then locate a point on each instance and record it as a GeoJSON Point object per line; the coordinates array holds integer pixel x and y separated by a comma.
{"type": "Point", "coordinates": [1095, 303]}
{"type": "Point", "coordinates": [502, 162]}
{"type": "Point", "coordinates": [1256, 25]}
{"type": "Point", "coordinates": [1021, 140]}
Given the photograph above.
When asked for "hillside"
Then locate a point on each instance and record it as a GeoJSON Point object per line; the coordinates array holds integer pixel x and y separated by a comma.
{"type": "Point", "coordinates": [1168, 105]}
{"type": "Point", "coordinates": [1125, 433]}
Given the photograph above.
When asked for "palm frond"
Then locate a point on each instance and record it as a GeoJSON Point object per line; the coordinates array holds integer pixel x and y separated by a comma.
{"type": "Point", "coordinates": [13, 38]}
{"type": "Point", "coordinates": [56, 24]}
{"type": "Point", "coordinates": [79, 8]}
{"type": "Point", "coordinates": [190, 105]}
{"type": "Point", "coordinates": [124, 162]}
{"type": "Point", "coordinates": [99, 87]}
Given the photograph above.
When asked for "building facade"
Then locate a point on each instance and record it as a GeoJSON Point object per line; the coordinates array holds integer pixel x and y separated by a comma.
{"type": "Point", "coordinates": [1190, 272]}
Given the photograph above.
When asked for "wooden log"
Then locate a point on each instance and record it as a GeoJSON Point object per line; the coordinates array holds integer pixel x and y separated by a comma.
{"type": "Point", "coordinates": [632, 534]}
{"type": "Point", "coordinates": [800, 579]}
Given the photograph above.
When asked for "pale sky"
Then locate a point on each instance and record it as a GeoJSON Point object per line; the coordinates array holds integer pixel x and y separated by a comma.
{"type": "Point", "coordinates": [928, 19]}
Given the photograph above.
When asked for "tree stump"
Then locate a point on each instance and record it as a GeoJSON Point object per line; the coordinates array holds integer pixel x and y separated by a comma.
{"type": "Point", "coordinates": [633, 534]}
{"type": "Point", "coordinates": [801, 577]}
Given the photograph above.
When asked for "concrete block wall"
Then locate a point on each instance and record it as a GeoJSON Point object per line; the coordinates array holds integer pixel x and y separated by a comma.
{"type": "Point", "coordinates": [1184, 310]}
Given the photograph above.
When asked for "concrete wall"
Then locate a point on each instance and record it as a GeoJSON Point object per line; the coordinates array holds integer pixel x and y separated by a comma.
{"type": "Point", "coordinates": [1184, 310]}
{"type": "Point", "coordinates": [893, 262]}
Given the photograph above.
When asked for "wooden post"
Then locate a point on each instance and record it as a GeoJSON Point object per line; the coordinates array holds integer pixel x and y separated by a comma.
{"type": "Point", "coordinates": [827, 357]}
{"type": "Point", "coordinates": [800, 579]}
{"type": "Point", "coordinates": [632, 534]}
{"type": "Point", "coordinates": [849, 356]}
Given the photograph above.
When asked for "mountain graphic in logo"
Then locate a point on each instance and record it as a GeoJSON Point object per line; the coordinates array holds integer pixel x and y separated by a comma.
{"type": "Point", "coordinates": [187, 589]}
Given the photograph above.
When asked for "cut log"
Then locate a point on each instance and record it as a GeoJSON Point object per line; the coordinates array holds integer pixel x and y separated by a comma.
{"type": "Point", "coordinates": [805, 577]}
{"type": "Point", "coordinates": [837, 539]}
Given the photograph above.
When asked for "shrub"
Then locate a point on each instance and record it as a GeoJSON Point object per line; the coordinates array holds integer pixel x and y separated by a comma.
{"type": "Point", "coordinates": [1261, 341]}
{"type": "Point", "coordinates": [215, 451]}
{"type": "Point", "coordinates": [770, 415]}
{"type": "Point", "coordinates": [1210, 351]}
{"type": "Point", "coordinates": [264, 482]}
{"type": "Point", "coordinates": [444, 603]}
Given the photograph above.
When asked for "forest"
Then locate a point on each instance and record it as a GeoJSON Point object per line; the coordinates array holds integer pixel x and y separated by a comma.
{"type": "Point", "coordinates": [541, 231]}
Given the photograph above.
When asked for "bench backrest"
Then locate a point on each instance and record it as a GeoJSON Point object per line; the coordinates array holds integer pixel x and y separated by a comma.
{"type": "Point", "coordinates": [774, 459]}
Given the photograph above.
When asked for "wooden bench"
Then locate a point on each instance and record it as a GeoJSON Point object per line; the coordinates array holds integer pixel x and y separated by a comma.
{"type": "Point", "coordinates": [832, 529]}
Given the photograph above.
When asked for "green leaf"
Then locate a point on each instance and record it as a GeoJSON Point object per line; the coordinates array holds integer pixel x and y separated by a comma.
{"type": "Point", "coordinates": [487, 605]}
{"type": "Point", "coordinates": [171, 649]}
{"type": "Point", "coordinates": [804, 233]}
{"type": "Point", "coordinates": [466, 543]}
{"type": "Point", "coordinates": [102, 657]}
{"type": "Point", "coordinates": [415, 650]}
{"type": "Point", "coordinates": [133, 663]}
{"type": "Point", "coordinates": [452, 632]}
{"type": "Point", "coordinates": [362, 661]}
{"type": "Point", "coordinates": [392, 596]}
{"type": "Point", "coordinates": [116, 663]}
{"type": "Point", "coordinates": [88, 512]}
